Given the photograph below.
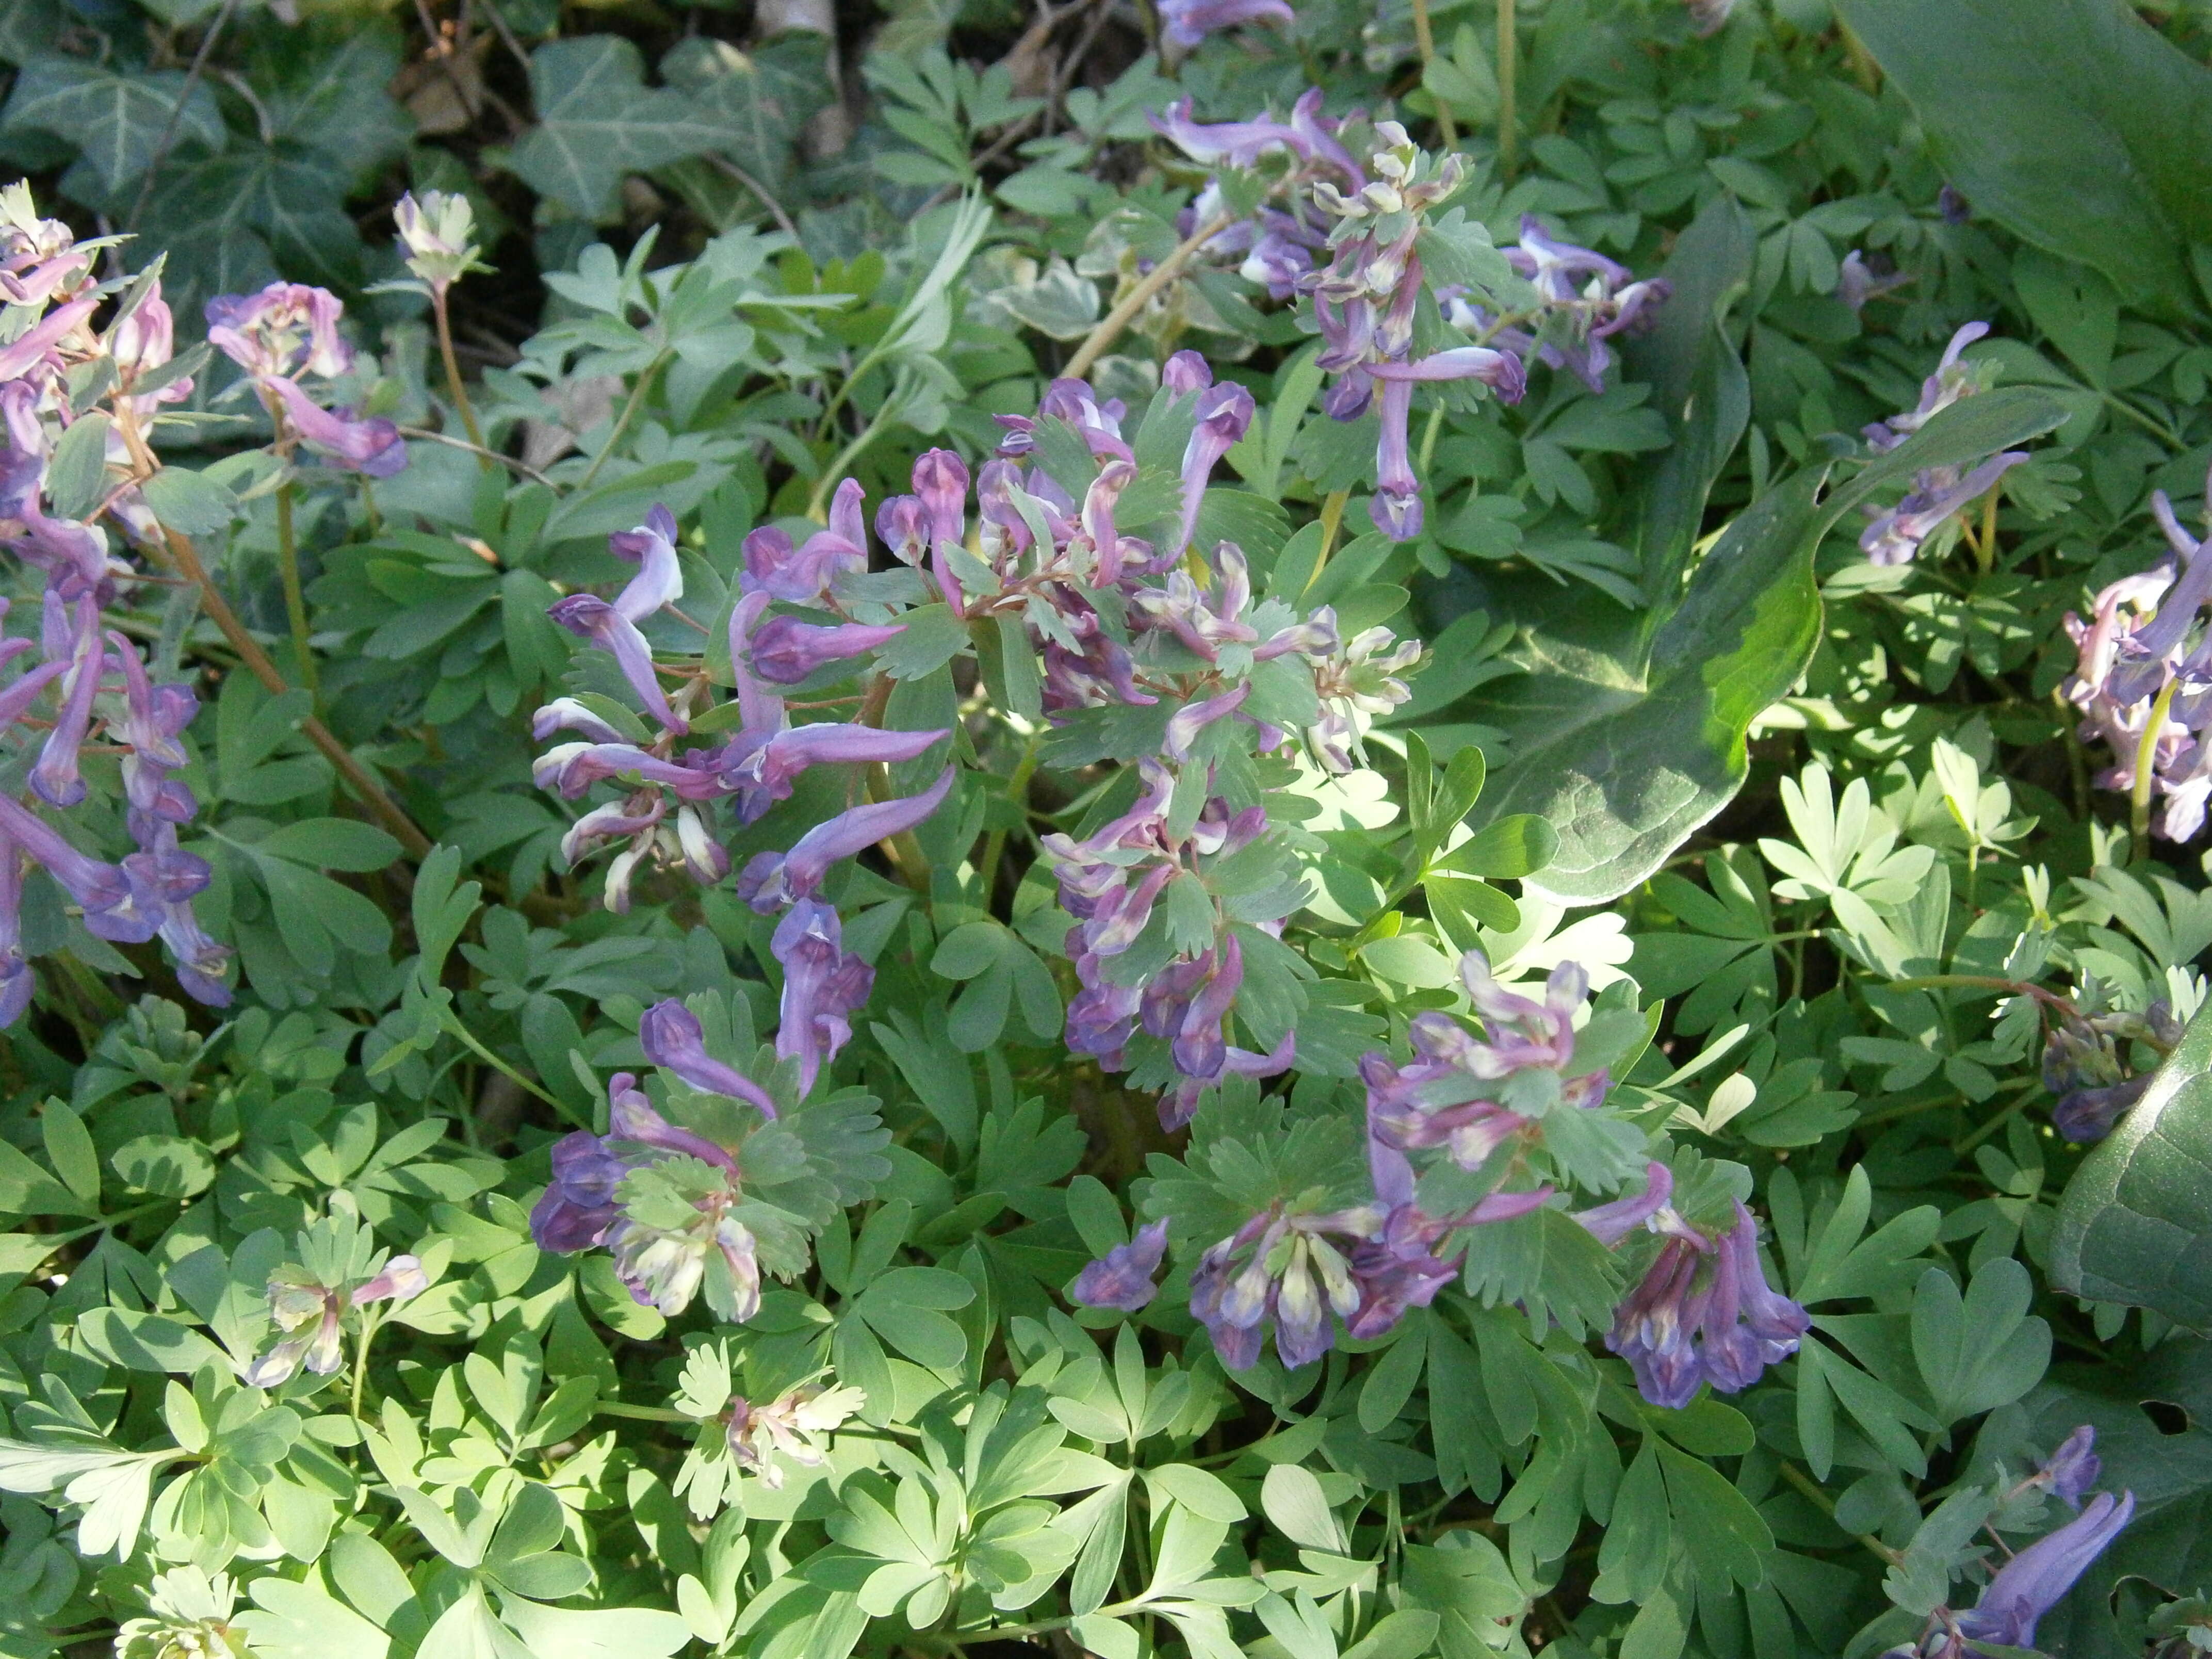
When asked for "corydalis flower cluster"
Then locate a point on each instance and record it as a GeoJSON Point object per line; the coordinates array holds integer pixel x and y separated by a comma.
{"type": "Point", "coordinates": [1112, 881]}
{"type": "Point", "coordinates": [2144, 663]}
{"type": "Point", "coordinates": [287, 332]}
{"type": "Point", "coordinates": [1277, 245]}
{"type": "Point", "coordinates": [1582, 300]}
{"type": "Point", "coordinates": [2085, 1067]}
{"type": "Point", "coordinates": [1939, 493]}
{"type": "Point", "coordinates": [1365, 303]}
{"type": "Point", "coordinates": [1468, 1097]}
{"type": "Point", "coordinates": [668, 1202]}
{"type": "Point", "coordinates": [1703, 1312]}
{"type": "Point", "coordinates": [2036, 1579]}
{"type": "Point", "coordinates": [83, 682]}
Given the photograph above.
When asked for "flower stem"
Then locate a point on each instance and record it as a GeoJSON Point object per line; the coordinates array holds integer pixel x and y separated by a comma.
{"type": "Point", "coordinates": [818, 504]}
{"type": "Point", "coordinates": [461, 406]}
{"type": "Point", "coordinates": [2146, 756]}
{"type": "Point", "coordinates": [1804, 1483]}
{"type": "Point", "coordinates": [622, 425]}
{"type": "Point", "coordinates": [1424, 38]}
{"type": "Point", "coordinates": [1110, 325]}
{"type": "Point", "coordinates": [358, 777]}
{"type": "Point", "coordinates": [454, 1026]}
{"type": "Point", "coordinates": [1509, 57]}
{"type": "Point", "coordinates": [296, 598]}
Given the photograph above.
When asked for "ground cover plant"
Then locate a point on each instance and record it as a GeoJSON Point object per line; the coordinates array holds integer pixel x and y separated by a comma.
{"type": "Point", "coordinates": [1218, 827]}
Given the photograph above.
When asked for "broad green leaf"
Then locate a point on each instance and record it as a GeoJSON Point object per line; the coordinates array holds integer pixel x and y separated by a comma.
{"type": "Point", "coordinates": [2070, 122]}
{"type": "Point", "coordinates": [598, 121]}
{"type": "Point", "coordinates": [115, 118]}
{"type": "Point", "coordinates": [2135, 1224]}
{"type": "Point", "coordinates": [1628, 736]}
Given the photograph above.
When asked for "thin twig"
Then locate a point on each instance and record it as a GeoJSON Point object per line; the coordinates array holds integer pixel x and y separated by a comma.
{"type": "Point", "coordinates": [1425, 41]}
{"type": "Point", "coordinates": [176, 112]}
{"type": "Point", "coordinates": [452, 442]}
{"type": "Point", "coordinates": [358, 777]}
{"type": "Point", "coordinates": [776, 209]}
{"type": "Point", "coordinates": [1110, 326]}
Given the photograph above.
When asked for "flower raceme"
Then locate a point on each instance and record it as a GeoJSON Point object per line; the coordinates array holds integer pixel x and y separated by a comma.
{"type": "Point", "coordinates": [84, 685]}
{"type": "Point", "coordinates": [2142, 678]}
{"type": "Point", "coordinates": [1115, 614]}
{"type": "Point", "coordinates": [1703, 1312]}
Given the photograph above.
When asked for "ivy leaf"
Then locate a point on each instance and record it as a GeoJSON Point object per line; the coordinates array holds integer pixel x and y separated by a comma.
{"type": "Point", "coordinates": [2135, 1224]}
{"type": "Point", "coordinates": [598, 122]}
{"type": "Point", "coordinates": [115, 120]}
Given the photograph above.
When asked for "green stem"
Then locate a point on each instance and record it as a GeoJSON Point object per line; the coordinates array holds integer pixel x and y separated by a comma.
{"type": "Point", "coordinates": [1018, 791]}
{"type": "Point", "coordinates": [622, 425]}
{"type": "Point", "coordinates": [818, 505]}
{"type": "Point", "coordinates": [2027, 1092]}
{"type": "Point", "coordinates": [1804, 1483]}
{"type": "Point", "coordinates": [368, 1324]}
{"type": "Point", "coordinates": [461, 406]}
{"type": "Point", "coordinates": [1509, 55]}
{"type": "Point", "coordinates": [1424, 38]}
{"type": "Point", "coordinates": [642, 1414]}
{"type": "Point", "coordinates": [296, 598]}
{"type": "Point", "coordinates": [2146, 755]}
{"type": "Point", "coordinates": [453, 1027]}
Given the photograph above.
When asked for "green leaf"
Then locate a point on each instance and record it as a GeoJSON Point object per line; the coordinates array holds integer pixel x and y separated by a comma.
{"type": "Point", "coordinates": [933, 637]}
{"type": "Point", "coordinates": [598, 121]}
{"type": "Point", "coordinates": [1698, 387]}
{"type": "Point", "coordinates": [331, 844]}
{"type": "Point", "coordinates": [1983, 1350]}
{"type": "Point", "coordinates": [2071, 123]}
{"type": "Point", "coordinates": [2135, 1224]}
{"type": "Point", "coordinates": [71, 1151]}
{"type": "Point", "coordinates": [116, 119]}
{"type": "Point", "coordinates": [1728, 1541]}
{"type": "Point", "coordinates": [76, 477]}
{"type": "Point", "coordinates": [1627, 736]}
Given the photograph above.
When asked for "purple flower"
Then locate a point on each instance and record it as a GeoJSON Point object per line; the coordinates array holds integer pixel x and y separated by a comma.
{"type": "Point", "coordinates": [1953, 378]}
{"type": "Point", "coordinates": [1856, 282]}
{"type": "Point", "coordinates": [1649, 1209]}
{"type": "Point", "coordinates": [804, 575]}
{"type": "Point", "coordinates": [652, 548]}
{"type": "Point", "coordinates": [1123, 1277]}
{"type": "Point", "coordinates": [1188, 22]}
{"type": "Point", "coordinates": [55, 778]}
{"type": "Point", "coordinates": [1224, 413]}
{"type": "Point", "coordinates": [785, 650]}
{"type": "Point", "coordinates": [568, 714]}
{"type": "Point", "coordinates": [578, 1206]}
{"type": "Point", "coordinates": [672, 1039]}
{"type": "Point", "coordinates": [761, 772]}
{"type": "Point", "coordinates": [370, 446]}
{"type": "Point", "coordinates": [114, 909]}
{"type": "Point", "coordinates": [772, 880]}
{"type": "Point", "coordinates": [590, 617]}
{"type": "Point", "coordinates": [155, 716]}
{"type": "Point", "coordinates": [17, 982]}
{"type": "Point", "coordinates": [1291, 1270]}
{"type": "Point", "coordinates": [19, 355]}
{"type": "Point", "coordinates": [1704, 1313]}
{"type": "Point", "coordinates": [286, 328]}
{"type": "Point", "coordinates": [2035, 1580]}
{"type": "Point", "coordinates": [1308, 135]}
{"type": "Point", "coordinates": [1938, 492]}
{"type": "Point", "coordinates": [1180, 1104]}
{"type": "Point", "coordinates": [823, 984]}
{"type": "Point", "coordinates": [309, 1312]}
{"type": "Point", "coordinates": [2071, 1470]}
